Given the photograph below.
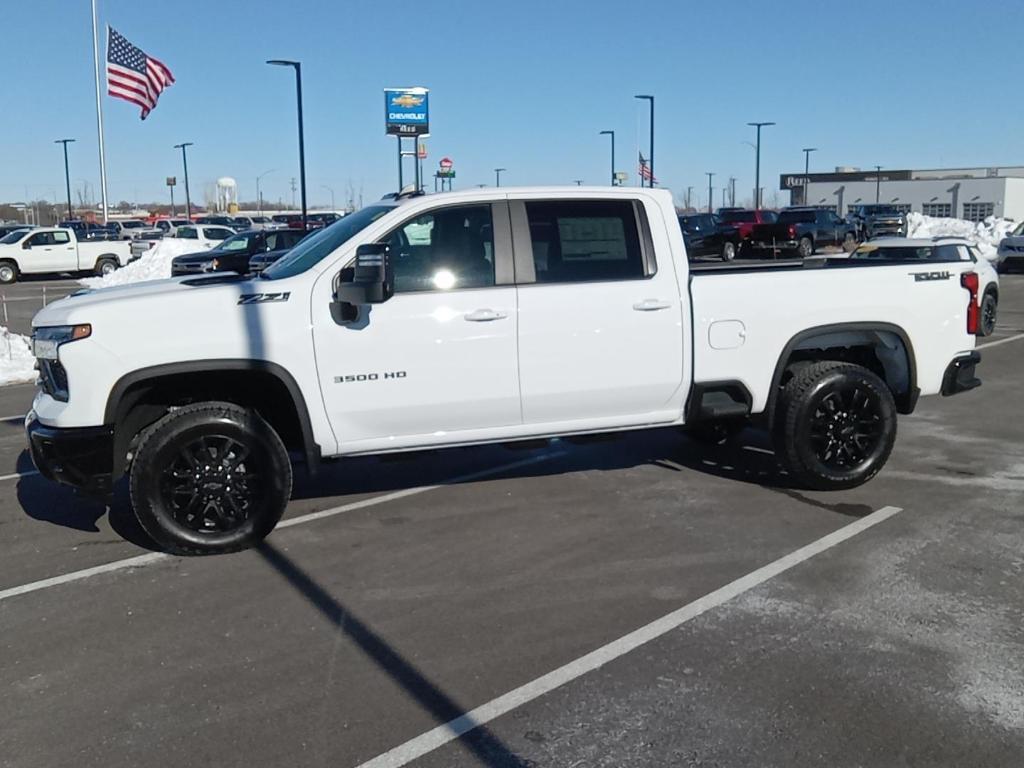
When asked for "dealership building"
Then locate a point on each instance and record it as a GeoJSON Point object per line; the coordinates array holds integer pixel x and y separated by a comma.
{"type": "Point", "coordinates": [964, 193]}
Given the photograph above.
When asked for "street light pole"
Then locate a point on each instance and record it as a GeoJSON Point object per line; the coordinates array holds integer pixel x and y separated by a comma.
{"type": "Point", "coordinates": [612, 134]}
{"type": "Point", "coordinates": [302, 145]}
{"type": "Point", "coordinates": [329, 189]}
{"type": "Point", "coordinates": [878, 182]}
{"type": "Point", "coordinates": [651, 158]}
{"type": "Point", "coordinates": [67, 174]}
{"type": "Point", "coordinates": [689, 196]}
{"type": "Point", "coordinates": [184, 162]}
{"type": "Point", "coordinates": [259, 195]}
{"type": "Point", "coordinates": [732, 190]}
{"type": "Point", "coordinates": [807, 168]}
{"type": "Point", "coordinates": [710, 196]}
{"type": "Point", "coordinates": [757, 165]}
{"type": "Point", "coordinates": [497, 176]}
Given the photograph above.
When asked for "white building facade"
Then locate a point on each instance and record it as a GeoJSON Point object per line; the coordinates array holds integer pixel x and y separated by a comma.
{"type": "Point", "coordinates": [964, 193]}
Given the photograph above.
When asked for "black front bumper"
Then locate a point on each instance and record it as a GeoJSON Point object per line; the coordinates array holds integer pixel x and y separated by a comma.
{"type": "Point", "coordinates": [960, 376]}
{"type": "Point", "coordinates": [82, 457]}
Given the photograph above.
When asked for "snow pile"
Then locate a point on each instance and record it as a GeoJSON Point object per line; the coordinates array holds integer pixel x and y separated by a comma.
{"type": "Point", "coordinates": [985, 235]}
{"type": "Point", "coordinates": [17, 365]}
{"type": "Point", "coordinates": [154, 264]}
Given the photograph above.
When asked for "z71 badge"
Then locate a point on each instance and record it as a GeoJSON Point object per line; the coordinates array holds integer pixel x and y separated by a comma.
{"type": "Point", "coordinates": [920, 277]}
{"type": "Point", "coordinates": [263, 298]}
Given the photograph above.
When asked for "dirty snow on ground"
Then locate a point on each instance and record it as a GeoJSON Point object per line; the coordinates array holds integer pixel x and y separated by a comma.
{"type": "Point", "coordinates": [154, 264]}
{"type": "Point", "coordinates": [985, 235]}
{"type": "Point", "coordinates": [17, 365]}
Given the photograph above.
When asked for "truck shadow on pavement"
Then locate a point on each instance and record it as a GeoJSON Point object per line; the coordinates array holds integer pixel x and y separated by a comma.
{"type": "Point", "coordinates": [485, 746]}
{"type": "Point", "coordinates": [746, 460]}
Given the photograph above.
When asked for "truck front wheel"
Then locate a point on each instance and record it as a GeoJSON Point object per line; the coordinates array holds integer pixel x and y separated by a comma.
{"type": "Point", "coordinates": [105, 267]}
{"type": "Point", "coordinates": [209, 478]}
{"type": "Point", "coordinates": [835, 425]}
{"type": "Point", "coordinates": [8, 272]}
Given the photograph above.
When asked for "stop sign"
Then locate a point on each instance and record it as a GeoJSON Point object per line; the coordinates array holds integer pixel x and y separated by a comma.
{"type": "Point", "coordinates": [446, 163]}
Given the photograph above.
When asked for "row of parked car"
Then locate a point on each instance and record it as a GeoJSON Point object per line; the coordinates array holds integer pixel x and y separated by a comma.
{"type": "Point", "coordinates": [799, 231]}
{"type": "Point", "coordinates": [244, 252]}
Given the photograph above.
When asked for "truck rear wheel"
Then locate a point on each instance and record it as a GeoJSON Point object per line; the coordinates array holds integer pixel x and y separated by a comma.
{"type": "Point", "coordinates": [105, 267]}
{"type": "Point", "coordinates": [8, 272]}
{"type": "Point", "coordinates": [728, 251]}
{"type": "Point", "coordinates": [209, 478]}
{"type": "Point", "coordinates": [835, 425]}
{"type": "Point", "coordinates": [989, 310]}
{"type": "Point", "coordinates": [805, 247]}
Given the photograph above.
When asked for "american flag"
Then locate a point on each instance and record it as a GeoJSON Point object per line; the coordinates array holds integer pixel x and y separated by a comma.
{"type": "Point", "coordinates": [645, 170]}
{"type": "Point", "coordinates": [132, 75]}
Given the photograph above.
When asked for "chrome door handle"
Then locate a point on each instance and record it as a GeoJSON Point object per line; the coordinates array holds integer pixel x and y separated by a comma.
{"type": "Point", "coordinates": [484, 315]}
{"type": "Point", "coordinates": [651, 305]}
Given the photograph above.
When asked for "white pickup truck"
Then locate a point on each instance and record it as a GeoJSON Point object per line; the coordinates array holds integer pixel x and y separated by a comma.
{"type": "Point", "coordinates": [56, 249]}
{"type": "Point", "coordinates": [476, 317]}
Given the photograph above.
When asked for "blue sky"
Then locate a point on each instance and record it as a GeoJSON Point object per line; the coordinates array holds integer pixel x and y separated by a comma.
{"type": "Point", "coordinates": [524, 85]}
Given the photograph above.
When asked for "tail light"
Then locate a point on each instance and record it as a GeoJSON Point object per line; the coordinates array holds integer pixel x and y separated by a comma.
{"type": "Point", "coordinates": [792, 231]}
{"type": "Point", "coordinates": [969, 280]}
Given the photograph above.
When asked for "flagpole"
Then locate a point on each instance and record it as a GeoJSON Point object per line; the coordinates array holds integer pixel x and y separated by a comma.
{"type": "Point", "coordinates": [99, 110]}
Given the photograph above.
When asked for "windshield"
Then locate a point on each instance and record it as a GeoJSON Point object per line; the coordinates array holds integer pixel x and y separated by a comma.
{"type": "Point", "coordinates": [13, 237]}
{"type": "Point", "coordinates": [317, 246]}
{"type": "Point", "coordinates": [236, 243]}
{"type": "Point", "coordinates": [731, 217]}
{"type": "Point", "coordinates": [794, 217]}
{"type": "Point", "coordinates": [880, 210]}
{"type": "Point", "coordinates": [133, 224]}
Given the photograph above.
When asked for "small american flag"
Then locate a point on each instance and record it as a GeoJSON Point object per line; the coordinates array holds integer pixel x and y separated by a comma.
{"type": "Point", "coordinates": [645, 170]}
{"type": "Point", "coordinates": [132, 75]}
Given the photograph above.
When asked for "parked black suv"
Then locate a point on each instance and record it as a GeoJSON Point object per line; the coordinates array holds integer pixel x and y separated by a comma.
{"type": "Point", "coordinates": [706, 235]}
{"type": "Point", "coordinates": [233, 254]}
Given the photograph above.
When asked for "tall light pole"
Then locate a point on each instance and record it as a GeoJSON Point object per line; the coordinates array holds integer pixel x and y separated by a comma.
{"type": "Point", "coordinates": [689, 195]}
{"type": "Point", "coordinates": [67, 174]}
{"type": "Point", "coordinates": [329, 189]}
{"type": "Point", "coordinates": [878, 182]}
{"type": "Point", "coordinates": [612, 134]}
{"type": "Point", "coordinates": [302, 145]}
{"type": "Point", "coordinates": [184, 162]}
{"type": "Point", "coordinates": [807, 168]}
{"type": "Point", "coordinates": [710, 196]}
{"type": "Point", "coordinates": [732, 190]}
{"type": "Point", "coordinates": [650, 99]}
{"type": "Point", "coordinates": [259, 195]}
{"type": "Point", "coordinates": [497, 176]}
{"type": "Point", "coordinates": [757, 165]}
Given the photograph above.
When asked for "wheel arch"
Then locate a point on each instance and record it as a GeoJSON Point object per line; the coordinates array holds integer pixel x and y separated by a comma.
{"type": "Point", "coordinates": [141, 397]}
{"type": "Point", "coordinates": [896, 364]}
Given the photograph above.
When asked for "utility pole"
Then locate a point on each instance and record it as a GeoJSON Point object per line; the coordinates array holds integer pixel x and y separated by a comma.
{"type": "Point", "coordinates": [497, 176]}
{"type": "Point", "coordinates": [67, 175]}
{"type": "Point", "coordinates": [711, 199]}
{"type": "Point", "coordinates": [732, 191]}
{"type": "Point", "coordinates": [293, 191]}
{"type": "Point", "coordinates": [757, 164]}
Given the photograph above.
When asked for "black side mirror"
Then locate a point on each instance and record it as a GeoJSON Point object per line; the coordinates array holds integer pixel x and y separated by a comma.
{"type": "Point", "coordinates": [26, 245]}
{"type": "Point", "coordinates": [370, 281]}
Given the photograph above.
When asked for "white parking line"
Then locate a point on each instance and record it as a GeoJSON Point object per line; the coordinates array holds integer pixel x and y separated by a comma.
{"type": "Point", "coordinates": [17, 475]}
{"type": "Point", "coordinates": [453, 729]}
{"type": "Point", "coordinates": [154, 557]}
{"type": "Point", "coordinates": [20, 417]}
{"type": "Point", "coordinates": [1001, 341]}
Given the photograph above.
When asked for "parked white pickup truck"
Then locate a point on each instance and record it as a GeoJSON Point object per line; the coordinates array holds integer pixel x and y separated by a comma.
{"type": "Point", "coordinates": [56, 249]}
{"type": "Point", "coordinates": [476, 317]}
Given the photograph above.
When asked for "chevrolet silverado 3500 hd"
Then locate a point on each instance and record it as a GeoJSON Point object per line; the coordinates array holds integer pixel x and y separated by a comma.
{"type": "Point", "coordinates": [476, 317]}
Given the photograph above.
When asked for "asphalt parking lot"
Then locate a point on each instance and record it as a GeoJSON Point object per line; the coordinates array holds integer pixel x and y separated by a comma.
{"type": "Point", "coordinates": [639, 600]}
{"type": "Point", "coordinates": [20, 302]}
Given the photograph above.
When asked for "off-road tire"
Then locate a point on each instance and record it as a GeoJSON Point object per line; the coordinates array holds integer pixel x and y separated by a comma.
{"type": "Point", "coordinates": [807, 424]}
{"type": "Point", "coordinates": [987, 315]}
{"type": "Point", "coordinates": [164, 494]}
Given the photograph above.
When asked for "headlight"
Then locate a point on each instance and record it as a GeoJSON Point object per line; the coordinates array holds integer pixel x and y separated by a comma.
{"type": "Point", "coordinates": [46, 340]}
{"type": "Point", "coordinates": [211, 266]}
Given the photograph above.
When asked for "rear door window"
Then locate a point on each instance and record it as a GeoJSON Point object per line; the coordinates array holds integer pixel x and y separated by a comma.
{"type": "Point", "coordinates": [584, 241]}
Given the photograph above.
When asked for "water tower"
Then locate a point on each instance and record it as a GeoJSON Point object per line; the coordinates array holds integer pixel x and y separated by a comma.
{"type": "Point", "coordinates": [227, 195]}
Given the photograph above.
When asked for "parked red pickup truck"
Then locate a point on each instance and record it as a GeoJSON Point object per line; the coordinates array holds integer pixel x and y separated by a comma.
{"type": "Point", "coordinates": [745, 220]}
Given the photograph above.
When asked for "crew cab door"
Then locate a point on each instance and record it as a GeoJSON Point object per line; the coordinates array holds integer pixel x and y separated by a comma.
{"type": "Point", "coordinates": [48, 251]}
{"type": "Point", "coordinates": [601, 331]}
{"type": "Point", "coordinates": [436, 362]}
